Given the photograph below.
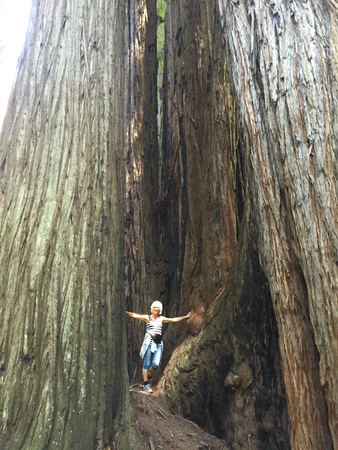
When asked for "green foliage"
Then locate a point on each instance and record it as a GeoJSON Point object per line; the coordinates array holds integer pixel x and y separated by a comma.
{"type": "Point", "coordinates": [160, 8]}
{"type": "Point", "coordinates": [160, 42]}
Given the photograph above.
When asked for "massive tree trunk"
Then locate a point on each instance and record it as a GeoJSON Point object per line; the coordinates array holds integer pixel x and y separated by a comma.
{"type": "Point", "coordinates": [61, 276]}
{"type": "Point", "coordinates": [199, 147]}
{"type": "Point", "coordinates": [228, 377]}
{"type": "Point", "coordinates": [282, 62]}
{"type": "Point", "coordinates": [211, 248]}
{"type": "Point", "coordinates": [283, 65]}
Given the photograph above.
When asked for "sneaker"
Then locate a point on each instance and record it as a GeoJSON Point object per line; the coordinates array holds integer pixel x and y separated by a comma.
{"type": "Point", "coordinates": [147, 388]}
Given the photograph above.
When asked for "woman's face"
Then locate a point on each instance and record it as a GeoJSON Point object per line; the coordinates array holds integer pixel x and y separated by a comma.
{"type": "Point", "coordinates": [155, 310]}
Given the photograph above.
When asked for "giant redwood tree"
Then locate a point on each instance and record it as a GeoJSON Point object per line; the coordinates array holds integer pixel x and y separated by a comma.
{"type": "Point", "coordinates": [282, 66]}
{"type": "Point", "coordinates": [211, 248]}
{"type": "Point", "coordinates": [285, 83]}
{"type": "Point", "coordinates": [62, 348]}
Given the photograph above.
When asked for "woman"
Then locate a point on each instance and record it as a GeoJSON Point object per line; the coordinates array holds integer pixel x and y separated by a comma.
{"type": "Point", "coordinates": [152, 342]}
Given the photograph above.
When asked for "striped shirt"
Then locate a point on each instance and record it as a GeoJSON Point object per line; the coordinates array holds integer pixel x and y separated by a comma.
{"type": "Point", "coordinates": [154, 327]}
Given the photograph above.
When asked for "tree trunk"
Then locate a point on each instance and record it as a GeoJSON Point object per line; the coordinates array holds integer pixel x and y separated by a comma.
{"type": "Point", "coordinates": [62, 338]}
{"type": "Point", "coordinates": [227, 377]}
{"type": "Point", "coordinates": [199, 143]}
{"type": "Point", "coordinates": [283, 66]}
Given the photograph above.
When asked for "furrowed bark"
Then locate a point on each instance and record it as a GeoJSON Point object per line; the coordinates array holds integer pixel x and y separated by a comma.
{"type": "Point", "coordinates": [211, 247]}
{"type": "Point", "coordinates": [283, 66]}
{"type": "Point", "coordinates": [201, 220]}
{"type": "Point", "coordinates": [228, 377]}
{"type": "Point", "coordinates": [61, 224]}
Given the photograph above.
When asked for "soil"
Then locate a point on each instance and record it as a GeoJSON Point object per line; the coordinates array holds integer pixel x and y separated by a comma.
{"type": "Point", "coordinates": [161, 430]}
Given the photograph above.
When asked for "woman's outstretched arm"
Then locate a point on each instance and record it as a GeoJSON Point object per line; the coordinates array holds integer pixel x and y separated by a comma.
{"type": "Point", "coordinates": [176, 319]}
{"type": "Point", "coordinates": [142, 317]}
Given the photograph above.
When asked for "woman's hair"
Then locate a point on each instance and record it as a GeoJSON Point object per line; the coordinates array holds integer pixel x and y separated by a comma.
{"type": "Point", "coordinates": [156, 303]}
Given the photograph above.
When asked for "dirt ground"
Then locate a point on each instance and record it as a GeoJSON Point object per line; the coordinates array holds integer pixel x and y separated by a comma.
{"type": "Point", "coordinates": [161, 430]}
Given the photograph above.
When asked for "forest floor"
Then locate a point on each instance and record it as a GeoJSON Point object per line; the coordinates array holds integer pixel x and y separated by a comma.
{"type": "Point", "coordinates": [161, 430]}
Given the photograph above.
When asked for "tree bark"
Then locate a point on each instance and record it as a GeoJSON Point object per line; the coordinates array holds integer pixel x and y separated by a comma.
{"type": "Point", "coordinates": [227, 378]}
{"type": "Point", "coordinates": [199, 120]}
{"type": "Point", "coordinates": [283, 66]}
{"type": "Point", "coordinates": [63, 368]}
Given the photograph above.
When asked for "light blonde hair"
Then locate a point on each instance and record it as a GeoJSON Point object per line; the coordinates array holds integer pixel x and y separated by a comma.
{"type": "Point", "coordinates": [158, 304]}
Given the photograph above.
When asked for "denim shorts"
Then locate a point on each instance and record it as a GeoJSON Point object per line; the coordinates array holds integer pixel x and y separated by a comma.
{"type": "Point", "coordinates": [156, 358]}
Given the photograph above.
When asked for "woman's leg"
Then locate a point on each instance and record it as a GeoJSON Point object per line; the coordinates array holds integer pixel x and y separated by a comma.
{"type": "Point", "coordinates": [157, 358]}
{"type": "Point", "coordinates": [145, 375]}
{"type": "Point", "coordinates": [146, 364]}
